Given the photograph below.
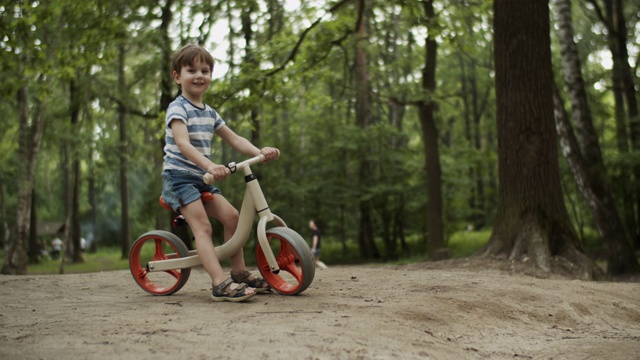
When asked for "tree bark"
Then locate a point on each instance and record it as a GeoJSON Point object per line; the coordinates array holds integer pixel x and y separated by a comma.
{"type": "Point", "coordinates": [6, 230]}
{"type": "Point", "coordinates": [92, 240]}
{"type": "Point", "coordinates": [29, 136]}
{"type": "Point", "coordinates": [34, 244]}
{"type": "Point", "coordinates": [596, 191]}
{"type": "Point", "coordinates": [474, 105]}
{"type": "Point", "coordinates": [623, 181]}
{"type": "Point", "coordinates": [31, 129]}
{"type": "Point", "coordinates": [68, 204]}
{"type": "Point", "coordinates": [74, 252]}
{"type": "Point", "coordinates": [252, 61]}
{"type": "Point", "coordinates": [366, 242]}
{"type": "Point", "coordinates": [623, 79]}
{"type": "Point", "coordinates": [124, 180]}
{"type": "Point", "coordinates": [426, 112]}
{"type": "Point", "coordinates": [167, 95]}
{"type": "Point", "coordinates": [532, 221]}
{"type": "Point", "coordinates": [391, 211]}
{"type": "Point", "coordinates": [621, 57]}
{"type": "Point", "coordinates": [582, 151]}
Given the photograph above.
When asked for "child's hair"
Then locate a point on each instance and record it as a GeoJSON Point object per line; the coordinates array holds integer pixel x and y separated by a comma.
{"type": "Point", "coordinates": [188, 54]}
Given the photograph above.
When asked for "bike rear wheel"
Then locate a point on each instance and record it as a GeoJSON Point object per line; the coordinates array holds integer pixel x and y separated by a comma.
{"type": "Point", "coordinates": [153, 246]}
{"type": "Point", "coordinates": [297, 267]}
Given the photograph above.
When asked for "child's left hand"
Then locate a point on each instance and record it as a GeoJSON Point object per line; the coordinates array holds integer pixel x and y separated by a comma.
{"type": "Point", "coordinates": [270, 153]}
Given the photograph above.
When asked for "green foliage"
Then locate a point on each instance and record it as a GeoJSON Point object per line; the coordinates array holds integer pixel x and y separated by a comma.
{"type": "Point", "coordinates": [304, 98]}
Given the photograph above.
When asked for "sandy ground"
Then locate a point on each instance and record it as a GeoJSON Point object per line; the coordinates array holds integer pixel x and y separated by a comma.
{"type": "Point", "coordinates": [445, 310]}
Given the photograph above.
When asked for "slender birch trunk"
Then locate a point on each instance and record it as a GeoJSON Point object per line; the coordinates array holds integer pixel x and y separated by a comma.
{"type": "Point", "coordinates": [583, 154]}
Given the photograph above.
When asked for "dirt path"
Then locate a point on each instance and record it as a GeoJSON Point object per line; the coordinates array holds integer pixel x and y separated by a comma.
{"type": "Point", "coordinates": [448, 310]}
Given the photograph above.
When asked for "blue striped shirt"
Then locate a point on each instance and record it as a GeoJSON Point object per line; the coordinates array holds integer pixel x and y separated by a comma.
{"type": "Point", "coordinates": [201, 123]}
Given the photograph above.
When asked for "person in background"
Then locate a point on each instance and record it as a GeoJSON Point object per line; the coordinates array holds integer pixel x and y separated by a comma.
{"type": "Point", "coordinates": [316, 244]}
{"type": "Point", "coordinates": [56, 248]}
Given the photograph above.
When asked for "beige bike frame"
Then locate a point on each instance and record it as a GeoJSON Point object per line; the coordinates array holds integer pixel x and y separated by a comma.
{"type": "Point", "coordinates": [254, 201]}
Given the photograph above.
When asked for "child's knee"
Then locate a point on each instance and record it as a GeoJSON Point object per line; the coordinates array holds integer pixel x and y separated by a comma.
{"type": "Point", "coordinates": [231, 219]}
{"type": "Point", "coordinates": [203, 228]}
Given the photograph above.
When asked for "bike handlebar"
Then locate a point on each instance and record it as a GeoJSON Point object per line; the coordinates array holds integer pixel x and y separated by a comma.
{"type": "Point", "coordinates": [233, 167]}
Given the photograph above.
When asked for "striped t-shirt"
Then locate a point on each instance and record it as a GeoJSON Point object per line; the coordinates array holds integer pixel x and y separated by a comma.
{"type": "Point", "coordinates": [201, 123]}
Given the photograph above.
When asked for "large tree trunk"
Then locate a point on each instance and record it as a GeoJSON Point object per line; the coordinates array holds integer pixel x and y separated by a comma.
{"type": "Point", "coordinates": [474, 105]}
{"type": "Point", "coordinates": [166, 81]}
{"type": "Point", "coordinates": [77, 256]}
{"type": "Point", "coordinates": [166, 97]}
{"type": "Point", "coordinates": [68, 204]}
{"type": "Point", "coordinates": [391, 207]}
{"type": "Point", "coordinates": [621, 61]}
{"type": "Point", "coordinates": [532, 221]}
{"type": "Point", "coordinates": [31, 129]}
{"type": "Point", "coordinates": [623, 84]}
{"type": "Point", "coordinates": [596, 191]}
{"type": "Point", "coordinates": [6, 230]}
{"type": "Point", "coordinates": [623, 181]}
{"type": "Point", "coordinates": [92, 240]}
{"type": "Point", "coordinates": [74, 252]}
{"type": "Point", "coordinates": [583, 152]}
{"type": "Point", "coordinates": [34, 244]}
{"type": "Point", "coordinates": [368, 248]}
{"type": "Point", "coordinates": [251, 60]}
{"type": "Point", "coordinates": [426, 111]}
{"type": "Point", "coordinates": [124, 180]}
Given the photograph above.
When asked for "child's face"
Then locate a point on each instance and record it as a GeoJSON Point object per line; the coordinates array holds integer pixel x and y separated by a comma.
{"type": "Point", "coordinates": [194, 79]}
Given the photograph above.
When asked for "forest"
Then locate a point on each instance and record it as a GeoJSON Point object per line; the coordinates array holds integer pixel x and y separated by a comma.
{"type": "Point", "coordinates": [400, 123]}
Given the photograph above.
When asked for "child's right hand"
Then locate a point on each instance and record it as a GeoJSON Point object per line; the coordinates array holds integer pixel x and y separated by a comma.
{"type": "Point", "coordinates": [270, 153]}
{"type": "Point", "coordinates": [219, 172]}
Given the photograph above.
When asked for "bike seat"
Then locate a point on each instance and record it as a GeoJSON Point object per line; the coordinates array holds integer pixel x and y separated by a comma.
{"type": "Point", "coordinates": [204, 196]}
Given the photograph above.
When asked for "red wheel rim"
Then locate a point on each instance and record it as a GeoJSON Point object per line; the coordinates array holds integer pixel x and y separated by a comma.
{"type": "Point", "coordinates": [287, 258]}
{"type": "Point", "coordinates": [138, 259]}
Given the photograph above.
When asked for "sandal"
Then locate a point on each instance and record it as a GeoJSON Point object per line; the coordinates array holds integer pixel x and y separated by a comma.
{"type": "Point", "coordinates": [224, 292]}
{"type": "Point", "coordinates": [257, 282]}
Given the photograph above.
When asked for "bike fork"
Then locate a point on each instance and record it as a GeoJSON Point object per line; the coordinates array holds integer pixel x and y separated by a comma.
{"type": "Point", "coordinates": [266, 247]}
{"type": "Point", "coordinates": [261, 206]}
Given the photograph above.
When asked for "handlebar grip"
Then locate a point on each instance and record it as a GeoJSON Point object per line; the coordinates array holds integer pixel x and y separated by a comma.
{"type": "Point", "coordinates": [208, 178]}
{"type": "Point", "coordinates": [262, 157]}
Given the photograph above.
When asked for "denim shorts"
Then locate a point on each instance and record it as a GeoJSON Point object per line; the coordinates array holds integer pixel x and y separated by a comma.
{"type": "Point", "coordinates": [180, 188]}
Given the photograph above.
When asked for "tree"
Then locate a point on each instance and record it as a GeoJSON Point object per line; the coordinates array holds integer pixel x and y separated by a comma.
{"type": "Point", "coordinates": [84, 36]}
{"type": "Point", "coordinates": [473, 52]}
{"type": "Point", "coordinates": [347, 89]}
{"type": "Point", "coordinates": [532, 220]}
{"type": "Point", "coordinates": [251, 62]}
{"type": "Point", "coordinates": [628, 125]}
{"type": "Point", "coordinates": [368, 247]}
{"type": "Point", "coordinates": [123, 168]}
{"type": "Point", "coordinates": [31, 127]}
{"type": "Point", "coordinates": [582, 151]}
{"type": "Point", "coordinates": [427, 109]}
{"type": "Point", "coordinates": [167, 93]}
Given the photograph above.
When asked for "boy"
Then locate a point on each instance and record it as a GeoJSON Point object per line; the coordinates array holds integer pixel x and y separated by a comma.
{"type": "Point", "coordinates": [189, 126]}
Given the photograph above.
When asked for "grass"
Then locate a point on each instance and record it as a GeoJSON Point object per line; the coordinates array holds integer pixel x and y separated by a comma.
{"type": "Point", "coordinates": [465, 243]}
{"type": "Point", "coordinates": [461, 244]}
{"type": "Point", "coordinates": [105, 259]}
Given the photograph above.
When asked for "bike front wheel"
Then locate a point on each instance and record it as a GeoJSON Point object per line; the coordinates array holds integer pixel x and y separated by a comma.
{"type": "Point", "coordinates": [294, 258]}
{"type": "Point", "coordinates": [154, 246]}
